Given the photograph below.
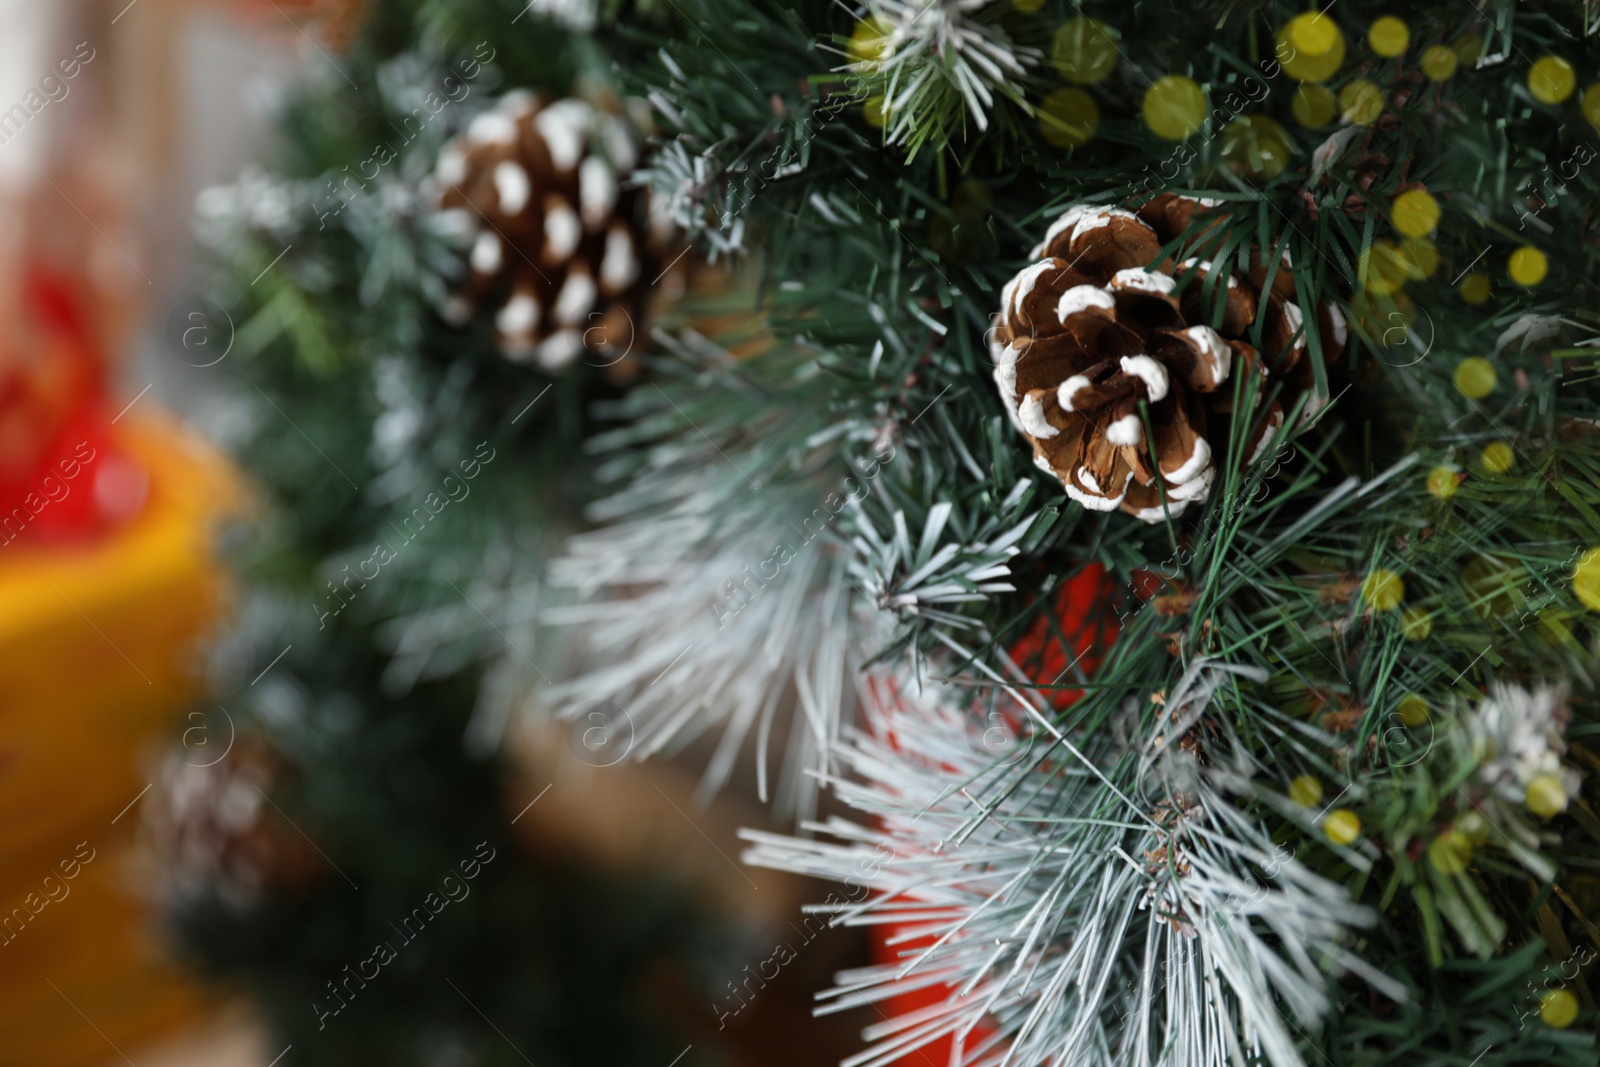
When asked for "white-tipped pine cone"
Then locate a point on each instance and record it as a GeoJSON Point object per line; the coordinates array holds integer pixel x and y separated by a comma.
{"type": "Point", "coordinates": [208, 826]}
{"type": "Point", "coordinates": [1087, 332]}
{"type": "Point", "coordinates": [560, 242]}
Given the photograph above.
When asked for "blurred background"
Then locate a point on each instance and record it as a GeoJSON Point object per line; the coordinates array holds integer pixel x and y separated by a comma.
{"type": "Point", "coordinates": [304, 862]}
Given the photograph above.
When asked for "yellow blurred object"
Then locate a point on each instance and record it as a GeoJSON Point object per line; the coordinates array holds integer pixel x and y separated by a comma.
{"type": "Point", "coordinates": [1310, 47]}
{"type": "Point", "coordinates": [1551, 80]}
{"type": "Point", "coordinates": [1389, 36]}
{"type": "Point", "coordinates": [1313, 105]}
{"type": "Point", "coordinates": [97, 653]}
{"type": "Point", "coordinates": [1439, 63]}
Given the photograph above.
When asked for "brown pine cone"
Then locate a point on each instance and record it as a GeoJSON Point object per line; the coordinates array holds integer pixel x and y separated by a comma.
{"type": "Point", "coordinates": [209, 826]}
{"type": "Point", "coordinates": [1087, 333]}
{"type": "Point", "coordinates": [560, 244]}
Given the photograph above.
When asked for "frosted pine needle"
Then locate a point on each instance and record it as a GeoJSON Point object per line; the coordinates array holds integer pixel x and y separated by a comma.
{"type": "Point", "coordinates": [1071, 923]}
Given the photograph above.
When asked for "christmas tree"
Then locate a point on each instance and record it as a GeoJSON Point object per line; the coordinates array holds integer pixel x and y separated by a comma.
{"type": "Point", "coordinates": [1147, 468]}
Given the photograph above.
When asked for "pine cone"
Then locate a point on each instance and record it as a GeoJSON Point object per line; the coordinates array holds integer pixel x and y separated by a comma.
{"type": "Point", "coordinates": [1086, 333]}
{"type": "Point", "coordinates": [560, 245]}
{"type": "Point", "coordinates": [208, 828]}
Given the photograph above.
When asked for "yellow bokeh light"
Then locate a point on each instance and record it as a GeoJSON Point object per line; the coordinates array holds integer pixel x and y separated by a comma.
{"type": "Point", "coordinates": [1068, 118]}
{"type": "Point", "coordinates": [1084, 51]}
{"type": "Point", "coordinates": [1450, 852]}
{"type": "Point", "coordinates": [872, 112]}
{"type": "Point", "coordinates": [1306, 790]}
{"type": "Point", "coordinates": [1256, 147]}
{"type": "Point", "coordinates": [870, 38]}
{"type": "Point", "coordinates": [1558, 1008]}
{"type": "Point", "coordinates": [1439, 62]}
{"type": "Point", "coordinates": [1384, 267]}
{"type": "Point", "coordinates": [1416, 624]}
{"type": "Point", "coordinates": [1475, 288]}
{"type": "Point", "coordinates": [1342, 826]}
{"type": "Point", "coordinates": [1444, 481]}
{"type": "Point", "coordinates": [1493, 585]}
{"type": "Point", "coordinates": [1416, 213]}
{"type": "Point", "coordinates": [1546, 796]}
{"type": "Point", "coordinates": [1413, 710]}
{"type": "Point", "coordinates": [1174, 107]}
{"type": "Point", "coordinates": [1420, 257]}
{"type": "Point", "coordinates": [1468, 48]}
{"type": "Point", "coordinates": [1361, 102]}
{"type": "Point", "coordinates": [1304, 65]}
{"type": "Point", "coordinates": [1314, 106]}
{"type": "Point", "coordinates": [1389, 36]}
{"type": "Point", "coordinates": [1383, 590]}
{"type": "Point", "coordinates": [1528, 266]}
{"type": "Point", "coordinates": [1316, 35]}
{"type": "Point", "coordinates": [1497, 457]}
{"type": "Point", "coordinates": [1591, 105]}
{"type": "Point", "coordinates": [1586, 579]}
{"type": "Point", "coordinates": [1475, 377]}
{"type": "Point", "coordinates": [1551, 80]}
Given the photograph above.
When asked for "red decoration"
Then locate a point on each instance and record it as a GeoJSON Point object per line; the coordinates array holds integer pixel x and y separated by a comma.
{"type": "Point", "coordinates": [1073, 636]}
{"type": "Point", "coordinates": [1076, 632]}
{"type": "Point", "coordinates": [61, 477]}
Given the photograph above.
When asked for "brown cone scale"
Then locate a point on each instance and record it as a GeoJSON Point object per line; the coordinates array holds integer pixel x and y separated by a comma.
{"type": "Point", "coordinates": [1120, 366]}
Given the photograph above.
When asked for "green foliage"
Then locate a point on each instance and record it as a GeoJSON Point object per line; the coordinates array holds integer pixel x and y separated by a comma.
{"type": "Point", "coordinates": [890, 262]}
{"type": "Point", "coordinates": [880, 254]}
{"type": "Point", "coordinates": [412, 485]}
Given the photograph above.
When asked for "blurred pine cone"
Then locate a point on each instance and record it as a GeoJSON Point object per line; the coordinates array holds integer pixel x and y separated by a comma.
{"type": "Point", "coordinates": [561, 245]}
{"type": "Point", "coordinates": [1088, 332]}
{"type": "Point", "coordinates": [209, 828]}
